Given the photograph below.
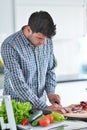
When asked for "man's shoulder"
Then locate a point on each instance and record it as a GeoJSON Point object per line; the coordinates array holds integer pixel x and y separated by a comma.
{"type": "Point", "coordinates": [49, 43]}
{"type": "Point", "coordinates": [49, 40]}
{"type": "Point", "coordinates": [11, 38]}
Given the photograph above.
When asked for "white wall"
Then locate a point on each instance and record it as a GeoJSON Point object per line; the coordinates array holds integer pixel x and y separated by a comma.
{"type": "Point", "coordinates": [71, 92]}
{"type": "Point", "coordinates": [6, 15]}
{"type": "Point", "coordinates": [69, 16]}
{"type": "Point", "coordinates": [6, 19]}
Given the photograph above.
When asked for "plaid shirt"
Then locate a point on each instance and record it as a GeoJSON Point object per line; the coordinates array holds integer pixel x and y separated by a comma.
{"type": "Point", "coordinates": [29, 70]}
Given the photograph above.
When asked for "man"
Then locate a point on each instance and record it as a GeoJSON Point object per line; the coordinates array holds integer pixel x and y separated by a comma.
{"type": "Point", "coordinates": [29, 63]}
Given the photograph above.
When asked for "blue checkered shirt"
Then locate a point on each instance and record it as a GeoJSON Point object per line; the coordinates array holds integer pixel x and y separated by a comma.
{"type": "Point", "coordinates": [29, 70]}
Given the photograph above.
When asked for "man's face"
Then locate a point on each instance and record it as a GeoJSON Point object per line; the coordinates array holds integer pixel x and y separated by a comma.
{"type": "Point", "coordinates": [37, 38]}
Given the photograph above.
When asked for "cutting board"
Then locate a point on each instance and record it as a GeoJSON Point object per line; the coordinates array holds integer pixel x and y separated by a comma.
{"type": "Point", "coordinates": [77, 116]}
{"type": "Point", "coordinates": [53, 125]}
{"type": "Point", "coordinates": [69, 125]}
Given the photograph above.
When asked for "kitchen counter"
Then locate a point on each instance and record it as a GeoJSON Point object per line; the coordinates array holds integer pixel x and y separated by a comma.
{"type": "Point", "coordinates": [71, 78]}
{"type": "Point", "coordinates": [1, 80]}
{"type": "Point", "coordinates": [66, 125]}
{"type": "Point", "coordinates": [72, 125]}
{"type": "Point", "coordinates": [60, 78]}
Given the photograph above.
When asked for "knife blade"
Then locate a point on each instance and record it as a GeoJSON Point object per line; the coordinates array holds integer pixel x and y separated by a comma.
{"type": "Point", "coordinates": [58, 127]}
{"type": "Point", "coordinates": [84, 128]}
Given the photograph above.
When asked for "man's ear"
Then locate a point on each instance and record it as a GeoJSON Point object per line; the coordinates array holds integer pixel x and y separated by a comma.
{"type": "Point", "coordinates": [29, 30]}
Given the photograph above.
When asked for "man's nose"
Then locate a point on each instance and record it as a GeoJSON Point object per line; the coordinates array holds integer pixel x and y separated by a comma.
{"type": "Point", "coordinates": [43, 41]}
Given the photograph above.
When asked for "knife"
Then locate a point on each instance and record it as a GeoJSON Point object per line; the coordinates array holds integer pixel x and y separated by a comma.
{"type": "Point", "coordinates": [84, 128]}
{"type": "Point", "coordinates": [58, 127]}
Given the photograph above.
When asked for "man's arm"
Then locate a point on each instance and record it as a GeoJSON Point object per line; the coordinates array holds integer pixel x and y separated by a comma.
{"type": "Point", "coordinates": [50, 76]}
{"type": "Point", "coordinates": [11, 62]}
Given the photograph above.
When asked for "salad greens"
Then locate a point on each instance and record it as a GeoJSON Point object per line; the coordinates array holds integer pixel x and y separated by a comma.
{"type": "Point", "coordinates": [57, 117]}
{"type": "Point", "coordinates": [21, 111]}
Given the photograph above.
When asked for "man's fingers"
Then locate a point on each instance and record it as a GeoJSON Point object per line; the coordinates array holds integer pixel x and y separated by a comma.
{"type": "Point", "coordinates": [57, 99]}
{"type": "Point", "coordinates": [59, 108]}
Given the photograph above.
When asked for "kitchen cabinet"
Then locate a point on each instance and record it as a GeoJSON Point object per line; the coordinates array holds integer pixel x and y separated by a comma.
{"type": "Point", "coordinates": [71, 92]}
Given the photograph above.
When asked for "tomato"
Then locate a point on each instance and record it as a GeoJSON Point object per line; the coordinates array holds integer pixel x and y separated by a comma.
{"type": "Point", "coordinates": [24, 122]}
{"type": "Point", "coordinates": [83, 103]}
{"type": "Point", "coordinates": [51, 118]}
{"type": "Point", "coordinates": [44, 121]}
{"type": "Point", "coordinates": [85, 108]}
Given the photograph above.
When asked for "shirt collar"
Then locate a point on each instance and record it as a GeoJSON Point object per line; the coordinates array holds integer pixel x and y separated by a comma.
{"type": "Point", "coordinates": [26, 41]}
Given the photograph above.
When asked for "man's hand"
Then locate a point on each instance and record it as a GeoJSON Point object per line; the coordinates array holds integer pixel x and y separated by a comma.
{"type": "Point", "coordinates": [56, 104]}
{"type": "Point", "coordinates": [54, 98]}
{"type": "Point", "coordinates": [57, 108]}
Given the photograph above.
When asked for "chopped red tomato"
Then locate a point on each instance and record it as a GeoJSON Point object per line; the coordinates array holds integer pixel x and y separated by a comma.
{"type": "Point", "coordinates": [51, 118]}
{"type": "Point", "coordinates": [24, 122]}
{"type": "Point", "coordinates": [44, 121]}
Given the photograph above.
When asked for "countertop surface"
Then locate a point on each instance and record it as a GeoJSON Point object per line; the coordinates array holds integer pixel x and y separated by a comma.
{"type": "Point", "coordinates": [71, 78]}
{"type": "Point", "coordinates": [66, 125]}
{"type": "Point", "coordinates": [70, 125]}
{"type": "Point", "coordinates": [60, 78]}
{"type": "Point", "coordinates": [1, 81]}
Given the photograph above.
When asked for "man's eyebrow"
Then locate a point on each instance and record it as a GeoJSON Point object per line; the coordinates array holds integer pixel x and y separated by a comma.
{"type": "Point", "coordinates": [40, 37]}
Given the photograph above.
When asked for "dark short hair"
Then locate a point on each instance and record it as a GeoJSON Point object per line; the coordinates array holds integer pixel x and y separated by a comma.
{"type": "Point", "coordinates": [42, 22]}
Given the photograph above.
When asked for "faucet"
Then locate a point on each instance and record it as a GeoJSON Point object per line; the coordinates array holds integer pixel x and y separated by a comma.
{"type": "Point", "coordinates": [10, 114]}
